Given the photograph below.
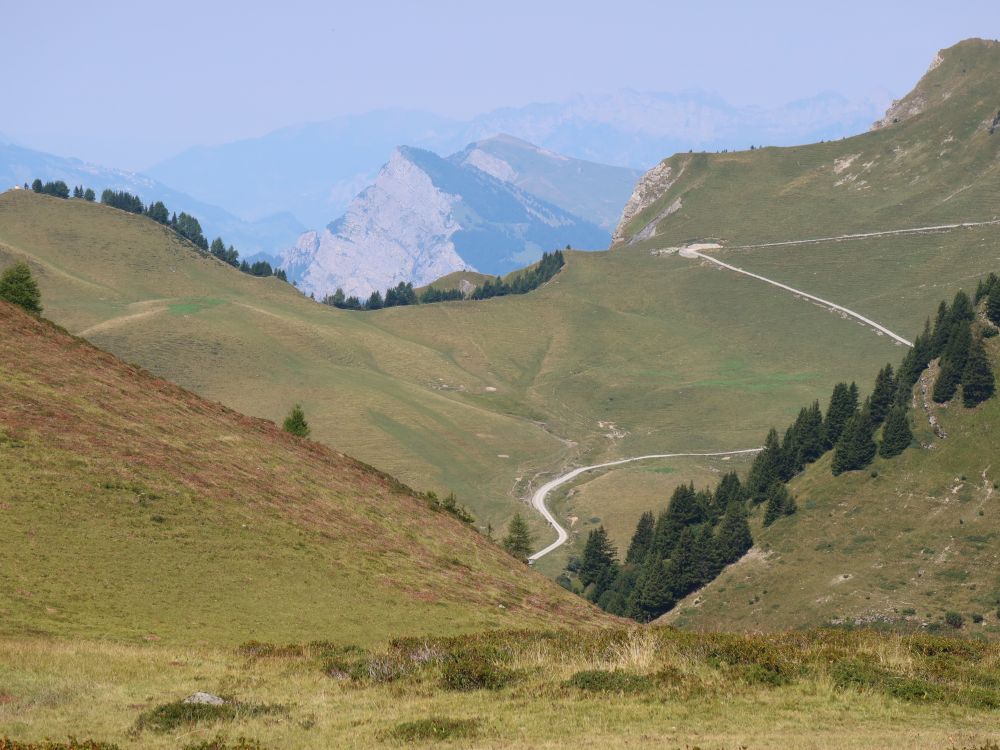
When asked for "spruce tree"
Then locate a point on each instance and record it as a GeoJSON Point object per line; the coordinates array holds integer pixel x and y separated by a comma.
{"type": "Point", "coordinates": [733, 539]}
{"type": "Point", "coordinates": [779, 503]}
{"type": "Point", "coordinates": [18, 287]}
{"type": "Point", "coordinates": [811, 438]}
{"type": "Point", "coordinates": [855, 449]}
{"type": "Point", "coordinates": [682, 568]}
{"type": "Point", "coordinates": [654, 591]}
{"type": "Point", "coordinates": [684, 510]}
{"type": "Point", "coordinates": [914, 363]}
{"type": "Point", "coordinates": [993, 305]}
{"type": "Point", "coordinates": [961, 308]}
{"type": "Point", "coordinates": [978, 383]}
{"type": "Point", "coordinates": [843, 403]}
{"type": "Point", "coordinates": [709, 562]}
{"type": "Point", "coordinates": [883, 394]}
{"type": "Point", "coordinates": [896, 434]}
{"type": "Point", "coordinates": [942, 328]}
{"type": "Point", "coordinates": [788, 465]}
{"type": "Point", "coordinates": [728, 490]}
{"type": "Point", "coordinates": [37, 185]}
{"type": "Point", "coordinates": [518, 540]}
{"type": "Point", "coordinates": [295, 422]}
{"type": "Point", "coordinates": [89, 196]}
{"type": "Point", "coordinates": [764, 471]}
{"type": "Point", "coordinates": [953, 360]}
{"type": "Point", "coordinates": [641, 539]}
{"type": "Point", "coordinates": [599, 565]}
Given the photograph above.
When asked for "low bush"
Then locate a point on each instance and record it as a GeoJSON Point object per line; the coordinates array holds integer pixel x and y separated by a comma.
{"type": "Point", "coordinates": [170, 716]}
{"type": "Point", "coordinates": [434, 728]}
{"type": "Point", "coordinates": [610, 681]}
{"type": "Point", "coordinates": [475, 671]}
{"type": "Point", "coordinates": [863, 675]}
{"type": "Point", "coordinates": [954, 620]}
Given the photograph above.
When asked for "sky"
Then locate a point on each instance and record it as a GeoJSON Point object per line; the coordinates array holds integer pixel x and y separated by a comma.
{"type": "Point", "coordinates": [129, 84]}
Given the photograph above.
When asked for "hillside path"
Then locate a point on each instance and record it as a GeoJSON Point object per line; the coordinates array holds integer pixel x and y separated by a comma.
{"type": "Point", "coordinates": [693, 253]}
{"type": "Point", "coordinates": [538, 498]}
{"type": "Point", "coordinates": [868, 235]}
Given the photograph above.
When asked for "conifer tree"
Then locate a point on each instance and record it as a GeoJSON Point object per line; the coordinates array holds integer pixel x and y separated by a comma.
{"type": "Point", "coordinates": [914, 363]}
{"type": "Point", "coordinates": [641, 540]}
{"type": "Point", "coordinates": [728, 490]}
{"type": "Point", "coordinates": [518, 540]}
{"type": "Point", "coordinates": [883, 394]}
{"type": "Point", "coordinates": [953, 360]}
{"type": "Point", "coordinates": [37, 185]}
{"type": "Point", "coordinates": [709, 562]}
{"type": "Point", "coordinates": [89, 196]}
{"type": "Point", "coordinates": [682, 568]}
{"type": "Point", "coordinates": [779, 503]}
{"type": "Point", "coordinates": [788, 464]}
{"type": "Point", "coordinates": [733, 538]}
{"type": "Point", "coordinates": [896, 434]}
{"type": "Point", "coordinates": [843, 403]}
{"type": "Point", "coordinates": [811, 438]}
{"type": "Point", "coordinates": [942, 328]}
{"type": "Point", "coordinates": [855, 449]}
{"type": "Point", "coordinates": [961, 308]}
{"type": "Point", "coordinates": [599, 564]}
{"type": "Point", "coordinates": [654, 591]}
{"type": "Point", "coordinates": [764, 471]}
{"type": "Point", "coordinates": [18, 287]}
{"type": "Point", "coordinates": [684, 510]}
{"type": "Point", "coordinates": [993, 305]}
{"type": "Point", "coordinates": [295, 422]}
{"type": "Point", "coordinates": [978, 383]}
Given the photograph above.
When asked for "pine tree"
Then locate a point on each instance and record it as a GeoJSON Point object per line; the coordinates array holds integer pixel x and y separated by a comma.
{"type": "Point", "coordinates": [953, 360]}
{"type": "Point", "coordinates": [518, 541]}
{"type": "Point", "coordinates": [18, 287]}
{"type": "Point", "coordinates": [733, 538]}
{"type": "Point", "coordinates": [984, 287]}
{"type": "Point", "coordinates": [993, 305]}
{"type": "Point", "coordinates": [682, 569]}
{"type": "Point", "coordinates": [843, 403]}
{"type": "Point", "coordinates": [978, 383]}
{"type": "Point", "coordinates": [811, 437]}
{"type": "Point", "coordinates": [709, 562]}
{"type": "Point", "coordinates": [961, 308]}
{"type": "Point", "coordinates": [779, 503]}
{"type": "Point", "coordinates": [599, 565]}
{"type": "Point", "coordinates": [89, 196]}
{"type": "Point", "coordinates": [788, 464]}
{"type": "Point", "coordinates": [37, 185]}
{"type": "Point", "coordinates": [855, 449]}
{"type": "Point", "coordinates": [942, 328]}
{"type": "Point", "coordinates": [654, 595]}
{"type": "Point", "coordinates": [765, 469]}
{"type": "Point", "coordinates": [914, 363]}
{"type": "Point", "coordinates": [896, 434]}
{"type": "Point", "coordinates": [728, 490]}
{"type": "Point", "coordinates": [883, 394]}
{"type": "Point", "coordinates": [295, 422]}
{"type": "Point", "coordinates": [374, 301]}
{"type": "Point", "coordinates": [684, 510]}
{"type": "Point", "coordinates": [641, 540]}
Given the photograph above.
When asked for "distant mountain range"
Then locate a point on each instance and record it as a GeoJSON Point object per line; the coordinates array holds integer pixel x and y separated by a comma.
{"type": "Point", "coordinates": [314, 171]}
{"type": "Point", "coordinates": [20, 165]}
{"type": "Point", "coordinates": [425, 216]}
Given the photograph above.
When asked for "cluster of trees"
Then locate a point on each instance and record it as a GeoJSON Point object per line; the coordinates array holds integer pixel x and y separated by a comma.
{"type": "Point", "coordinates": [670, 555]}
{"type": "Point", "coordinates": [18, 287]}
{"type": "Point", "coordinates": [58, 188]}
{"type": "Point", "coordinates": [404, 294]}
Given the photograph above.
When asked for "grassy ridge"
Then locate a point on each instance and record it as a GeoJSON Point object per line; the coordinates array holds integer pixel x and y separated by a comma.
{"type": "Point", "coordinates": [139, 510]}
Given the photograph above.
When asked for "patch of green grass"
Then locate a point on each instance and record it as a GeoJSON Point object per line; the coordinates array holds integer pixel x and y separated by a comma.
{"type": "Point", "coordinates": [434, 729]}
{"type": "Point", "coordinates": [610, 681]}
{"type": "Point", "coordinates": [175, 715]}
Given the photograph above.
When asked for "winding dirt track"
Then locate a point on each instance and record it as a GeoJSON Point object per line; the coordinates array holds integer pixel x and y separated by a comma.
{"type": "Point", "coordinates": [538, 499]}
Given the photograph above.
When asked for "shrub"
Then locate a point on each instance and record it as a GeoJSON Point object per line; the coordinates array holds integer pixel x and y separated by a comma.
{"type": "Point", "coordinates": [862, 675]}
{"type": "Point", "coordinates": [474, 671]}
{"type": "Point", "coordinates": [977, 618]}
{"type": "Point", "coordinates": [434, 728]}
{"type": "Point", "coordinates": [609, 681]}
{"type": "Point", "coordinates": [170, 716]}
{"type": "Point", "coordinates": [18, 287]}
{"type": "Point", "coordinates": [954, 620]}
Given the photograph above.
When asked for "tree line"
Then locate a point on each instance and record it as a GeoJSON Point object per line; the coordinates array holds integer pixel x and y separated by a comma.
{"type": "Point", "coordinates": [700, 532]}
{"type": "Point", "coordinates": [184, 224]}
{"type": "Point", "coordinates": [404, 293]}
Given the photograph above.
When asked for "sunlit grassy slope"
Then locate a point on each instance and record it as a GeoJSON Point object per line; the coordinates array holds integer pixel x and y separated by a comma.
{"type": "Point", "coordinates": [484, 397]}
{"type": "Point", "coordinates": [899, 544]}
{"type": "Point", "coordinates": [130, 508]}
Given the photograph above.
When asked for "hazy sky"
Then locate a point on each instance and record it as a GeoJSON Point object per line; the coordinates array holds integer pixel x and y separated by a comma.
{"type": "Point", "coordinates": [129, 83]}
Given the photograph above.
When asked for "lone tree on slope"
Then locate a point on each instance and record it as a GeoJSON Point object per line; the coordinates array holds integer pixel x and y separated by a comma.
{"type": "Point", "coordinates": [295, 422]}
{"type": "Point", "coordinates": [18, 287]}
{"type": "Point", "coordinates": [978, 383]}
{"type": "Point", "coordinates": [518, 541]}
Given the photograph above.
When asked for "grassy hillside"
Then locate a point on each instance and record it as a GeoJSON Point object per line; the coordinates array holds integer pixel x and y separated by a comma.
{"type": "Point", "coordinates": [897, 545]}
{"type": "Point", "coordinates": [623, 353]}
{"type": "Point", "coordinates": [138, 510]}
{"type": "Point", "coordinates": [649, 687]}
